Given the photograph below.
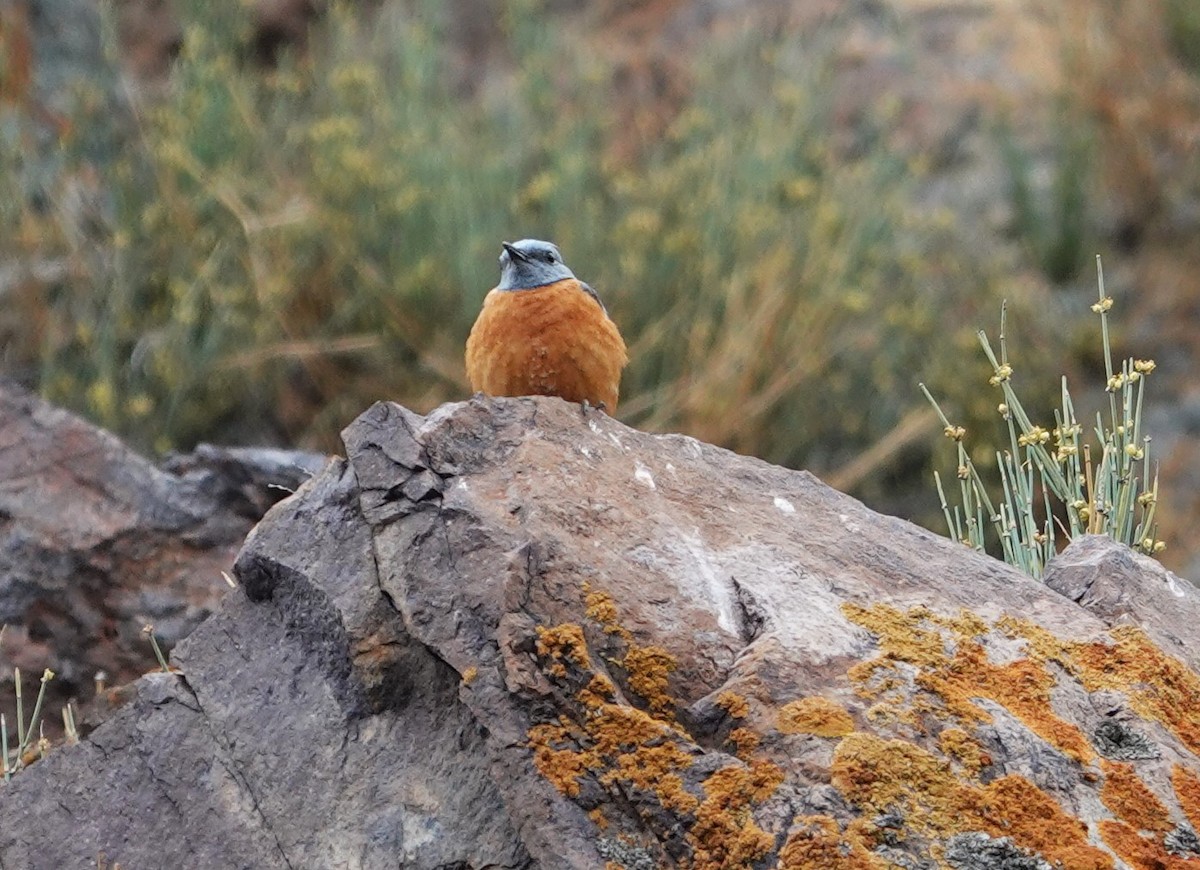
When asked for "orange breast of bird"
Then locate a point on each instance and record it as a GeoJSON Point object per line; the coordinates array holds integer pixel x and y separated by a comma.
{"type": "Point", "coordinates": [549, 341]}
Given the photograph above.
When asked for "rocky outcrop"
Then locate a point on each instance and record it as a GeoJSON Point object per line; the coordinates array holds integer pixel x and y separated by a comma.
{"type": "Point", "coordinates": [517, 634]}
{"type": "Point", "coordinates": [96, 542]}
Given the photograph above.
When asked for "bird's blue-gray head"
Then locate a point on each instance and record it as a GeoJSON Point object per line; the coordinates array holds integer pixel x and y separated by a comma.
{"type": "Point", "coordinates": [530, 263]}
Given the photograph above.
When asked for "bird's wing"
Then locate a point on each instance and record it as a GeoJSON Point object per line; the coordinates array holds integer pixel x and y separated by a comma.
{"type": "Point", "coordinates": [590, 292]}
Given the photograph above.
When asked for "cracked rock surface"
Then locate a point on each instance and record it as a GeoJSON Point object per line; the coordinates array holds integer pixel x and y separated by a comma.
{"type": "Point", "coordinates": [515, 633]}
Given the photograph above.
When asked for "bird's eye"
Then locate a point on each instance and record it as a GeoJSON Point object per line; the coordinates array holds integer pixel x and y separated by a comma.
{"type": "Point", "coordinates": [549, 257]}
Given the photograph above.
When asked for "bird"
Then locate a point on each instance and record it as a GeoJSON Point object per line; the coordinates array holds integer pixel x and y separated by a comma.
{"type": "Point", "coordinates": [543, 332]}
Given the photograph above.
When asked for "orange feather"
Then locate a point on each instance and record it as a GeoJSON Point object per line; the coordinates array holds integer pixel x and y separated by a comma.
{"type": "Point", "coordinates": [554, 340]}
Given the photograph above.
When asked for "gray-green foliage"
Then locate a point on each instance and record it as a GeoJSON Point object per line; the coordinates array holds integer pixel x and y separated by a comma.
{"type": "Point", "coordinates": [1051, 482]}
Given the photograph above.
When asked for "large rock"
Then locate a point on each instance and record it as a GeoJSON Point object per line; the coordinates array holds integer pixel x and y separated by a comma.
{"type": "Point", "coordinates": [517, 634]}
{"type": "Point", "coordinates": [1123, 587]}
{"type": "Point", "coordinates": [96, 542]}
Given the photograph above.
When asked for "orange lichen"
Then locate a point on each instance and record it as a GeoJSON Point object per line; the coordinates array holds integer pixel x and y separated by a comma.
{"type": "Point", "coordinates": [1014, 807]}
{"type": "Point", "coordinates": [562, 644]}
{"type": "Point", "coordinates": [648, 669]}
{"type": "Point", "coordinates": [733, 704]}
{"type": "Point", "coordinates": [817, 843]}
{"type": "Point", "coordinates": [1159, 687]}
{"type": "Point", "coordinates": [557, 757]}
{"type": "Point", "coordinates": [1022, 687]}
{"type": "Point", "coordinates": [1128, 798]}
{"type": "Point", "coordinates": [815, 715]}
{"type": "Point", "coordinates": [641, 756]}
{"type": "Point", "coordinates": [952, 665]}
{"type": "Point", "coordinates": [622, 746]}
{"type": "Point", "coordinates": [653, 770]}
{"type": "Point", "coordinates": [1187, 790]}
{"type": "Point", "coordinates": [930, 675]}
{"type": "Point", "coordinates": [600, 607]}
{"type": "Point", "coordinates": [627, 750]}
{"type": "Point", "coordinates": [598, 690]}
{"type": "Point", "coordinates": [725, 835]}
{"type": "Point", "coordinates": [614, 727]}
{"type": "Point", "coordinates": [598, 818]}
{"type": "Point", "coordinates": [901, 635]}
{"type": "Point", "coordinates": [635, 749]}
{"type": "Point", "coordinates": [1139, 852]}
{"type": "Point", "coordinates": [469, 675]}
{"type": "Point", "coordinates": [880, 776]}
{"type": "Point", "coordinates": [744, 742]}
{"type": "Point", "coordinates": [963, 748]}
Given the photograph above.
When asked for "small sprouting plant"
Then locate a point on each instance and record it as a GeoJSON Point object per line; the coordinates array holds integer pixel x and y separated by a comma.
{"type": "Point", "coordinates": [26, 742]}
{"type": "Point", "coordinates": [148, 630]}
{"type": "Point", "coordinates": [31, 740]}
{"type": "Point", "coordinates": [1050, 478]}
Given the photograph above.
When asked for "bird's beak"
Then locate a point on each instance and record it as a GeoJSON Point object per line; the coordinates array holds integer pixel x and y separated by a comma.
{"type": "Point", "coordinates": [513, 252]}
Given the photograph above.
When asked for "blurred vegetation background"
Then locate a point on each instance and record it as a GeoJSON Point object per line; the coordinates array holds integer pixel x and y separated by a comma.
{"type": "Point", "coordinates": [794, 212]}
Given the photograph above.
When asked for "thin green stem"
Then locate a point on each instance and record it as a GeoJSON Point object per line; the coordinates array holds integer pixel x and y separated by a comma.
{"type": "Point", "coordinates": [47, 676]}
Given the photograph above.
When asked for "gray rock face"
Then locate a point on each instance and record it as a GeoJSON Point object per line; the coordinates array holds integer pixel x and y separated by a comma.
{"type": "Point", "coordinates": [516, 634]}
{"type": "Point", "coordinates": [981, 852]}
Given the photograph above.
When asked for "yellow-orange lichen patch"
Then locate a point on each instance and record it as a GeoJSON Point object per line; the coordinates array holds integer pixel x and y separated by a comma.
{"type": "Point", "coordinates": [557, 757]}
{"type": "Point", "coordinates": [598, 818]}
{"type": "Point", "coordinates": [963, 748]}
{"type": "Point", "coordinates": [1128, 798]}
{"type": "Point", "coordinates": [1139, 852]}
{"type": "Point", "coordinates": [653, 770]}
{"type": "Point", "coordinates": [744, 742]}
{"type": "Point", "coordinates": [1022, 687]}
{"type": "Point", "coordinates": [814, 715]}
{"type": "Point", "coordinates": [952, 665]}
{"type": "Point", "coordinates": [902, 635]}
{"type": "Point", "coordinates": [642, 757]}
{"type": "Point", "coordinates": [817, 843]}
{"type": "Point", "coordinates": [1187, 790]}
{"type": "Point", "coordinates": [1159, 687]}
{"type": "Point", "coordinates": [725, 835]}
{"type": "Point", "coordinates": [733, 704]}
{"type": "Point", "coordinates": [563, 644]}
{"type": "Point", "coordinates": [600, 607]}
{"type": "Point", "coordinates": [879, 775]}
{"type": "Point", "coordinates": [1014, 807]}
{"type": "Point", "coordinates": [615, 728]}
{"type": "Point", "coordinates": [599, 690]}
{"type": "Point", "coordinates": [621, 745]}
{"type": "Point", "coordinates": [648, 669]}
